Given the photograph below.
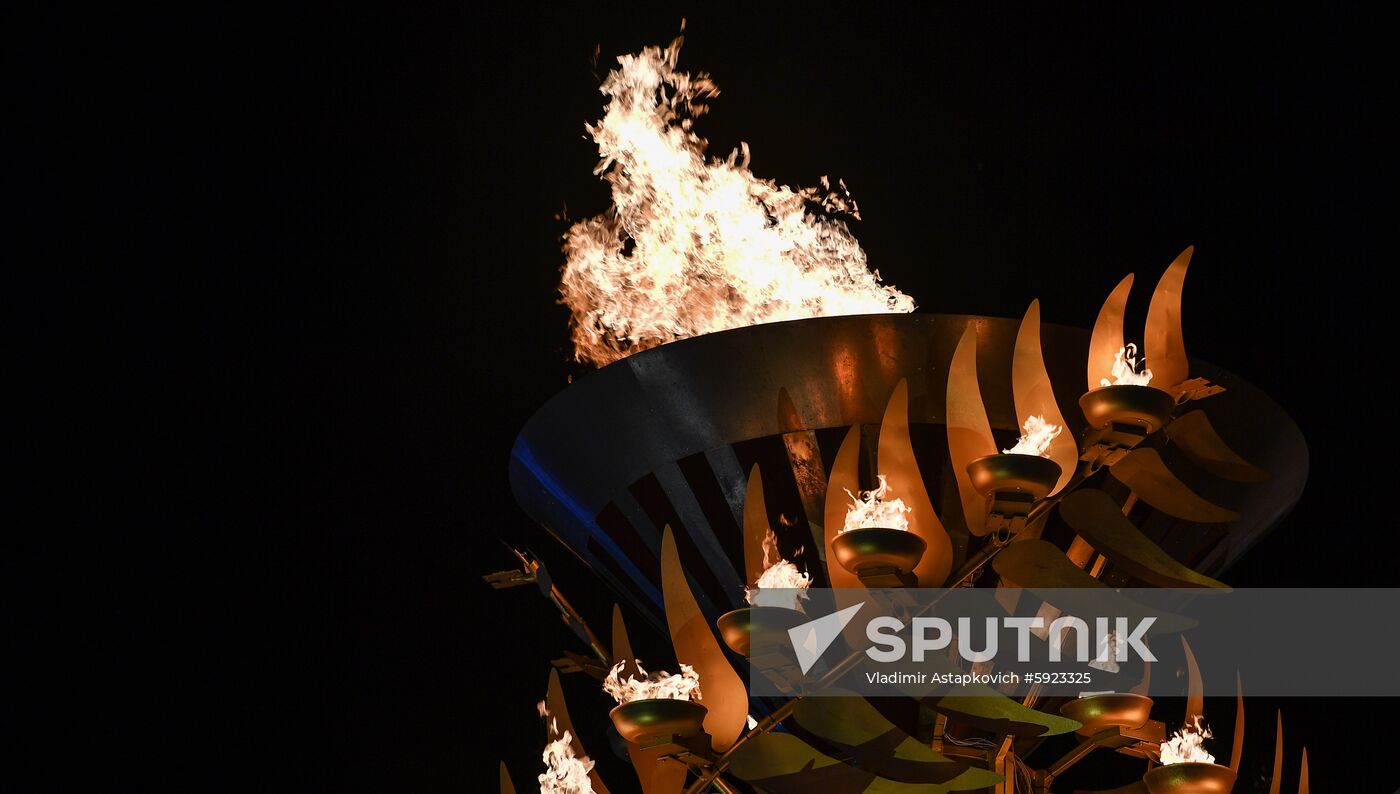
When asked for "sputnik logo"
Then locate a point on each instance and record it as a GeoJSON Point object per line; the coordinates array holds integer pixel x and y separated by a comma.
{"type": "Point", "coordinates": [811, 639]}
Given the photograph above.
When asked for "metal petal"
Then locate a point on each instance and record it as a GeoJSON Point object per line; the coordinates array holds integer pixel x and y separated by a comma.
{"type": "Point", "coordinates": [756, 527]}
{"type": "Point", "coordinates": [1003, 715]}
{"type": "Point", "coordinates": [1163, 343]}
{"type": "Point", "coordinates": [780, 763]}
{"type": "Point", "coordinates": [895, 457]}
{"type": "Point", "coordinates": [723, 692]}
{"type": "Point", "coordinates": [1276, 780]}
{"type": "Point", "coordinates": [1097, 518]}
{"type": "Point", "coordinates": [1194, 435]}
{"type": "Point", "coordinates": [1237, 745]}
{"type": "Point", "coordinates": [1040, 565]}
{"type": "Point", "coordinates": [863, 735]}
{"type": "Point", "coordinates": [559, 712]}
{"type": "Point", "coordinates": [507, 787]}
{"type": "Point", "coordinates": [1195, 687]}
{"type": "Point", "coordinates": [1143, 471]}
{"type": "Point", "coordinates": [1107, 338]}
{"type": "Point", "coordinates": [844, 477]}
{"type": "Point", "coordinates": [1030, 386]}
{"type": "Point", "coordinates": [657, 776]}
{"type": "Point", "coordinates": [1303, 774]}
{"type": "Point", "coordinates": [969, 432]}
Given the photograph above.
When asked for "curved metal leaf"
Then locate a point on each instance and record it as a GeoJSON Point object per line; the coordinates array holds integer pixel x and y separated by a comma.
{"type": "Point", "coordinates": [1038, 565]}
{"type": "Point", "coordinates": [845, 476]}
{"type": "Point", "coordinates": [871, 742]}
{"type": "Point", "coordinates": [1096, 517]}
{"type": "Point", "coordinates": [1107, 338]}
{"type": "Point", "coordinates": [1194, 435]}
{"type": "Point", "coordinates": [559, 712]}
{"type": "Point", "coordinates": [780, 763]}
{"type": "Point", "coordinates": [1030, 386]}
{"type": "Point", "coordinates": [1276, 780]}
{"type": "Point", "coordinates": [1195, 687]}
{"type": "Point", "coordinates": [895, 457]}
{"type": "Point", "coordinates": [507, 787]}
{"type": "Point", "coordinates": [969, 431]}
{"type": "Point", "coordinates": [1163, 342]}
{"type": "Point", "coordinates": [1143, 471]}
{"type": "Point", "coordinates": [1002, 715]}
{"type": "Point", "coordinates": [756, 527]}
{"type": "Point", "coordinates": [1237, 744]}
{"type": "Point", "coordinates": [656, 775]}
{"type": "Point", "coordinates": [723, 692]}
{"type": "Point", "coordinates": [1303, 774]}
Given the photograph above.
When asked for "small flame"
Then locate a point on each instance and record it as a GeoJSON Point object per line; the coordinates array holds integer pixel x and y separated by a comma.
{"type": "Point", "coordinates": [1188, 744]}
{"type": "Point", "coordinates": [871, 509]}
{"type": "Point", "coordinates": [1125, 369]}
{"type": "Point", "coordinates": [564, 773]}
{"type": "Point", "coordinates": [781, 584]}
{"type": "Point", "coordinates": [652, 686]}
{"type": "Point", "coordinates": [692, 246]}
{"type": "Point", "coordinates": [1036, 435]}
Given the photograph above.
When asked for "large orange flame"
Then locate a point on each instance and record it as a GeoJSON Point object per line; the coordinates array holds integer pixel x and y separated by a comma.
{"type": "Point", "coordinates": [690, 245]}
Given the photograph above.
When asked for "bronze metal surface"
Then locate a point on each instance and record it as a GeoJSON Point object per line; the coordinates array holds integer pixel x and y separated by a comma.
{"type": "Point", "coordinates": [1107, 337]}
{"type": "Point", "coordinates": [969, 432]}
{"type": "Point", "coordinates": [895, 459]}
{"type": "Point", "coordinates": [844, 479]}
{"type": "Point", "coordinates": [1035, 394]}
{"type": "Point", "coordinates": [736, 627]}
{"type": "Point", "coordinates": [1096, 517]}
{"type": "Point", "coordinates": [1164, 345]}
{"type": "Point", "coordinates": [1024, 474]}
{"type": "Point", "coordinates": [722, 691]}
{"type": "Point", "coordinates": [649, 721]}
{"type": "Point", "coordinates": [507, 787]}
{"type": "Point", "coordinates": [1146, 408]}
{"type": "Point", "coordinates": [1097, 712]}
{"type": "Point", "coordinates": [1144, 471]}
{"type": "Point", "coordinates": [582, 460]}
{"type": "Point", "coordinates": [1190, 778]}
{"type": "Point", "coordinates": [1198, 441]}
{"type": "Point", "coordinates": [865, 549]}
{"type": "Point", "coordinates": [756, 527]}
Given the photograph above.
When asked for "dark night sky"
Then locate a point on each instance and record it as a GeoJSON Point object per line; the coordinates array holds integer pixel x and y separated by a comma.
{"type": "Point", "coordinates": [313, 258]}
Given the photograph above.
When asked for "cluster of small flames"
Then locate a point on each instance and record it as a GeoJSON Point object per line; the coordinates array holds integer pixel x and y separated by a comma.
{"type": "Point", "coordinates": [565, 772]}
{"type": "Point", "coordinates": [875, 509]}
{"type": "Point", "coordinates": [1188, 744]}
{"type": "Point", "coordinates": [1036, 435]}
{"type": "Point", "coordinates": [1125, 369]}
{"type": "Point", "coordinates": [781, 584]}
{"type": "Point", "coordinates": [694, 245]}
{"type": "Point", "coordinates": [660, 685]}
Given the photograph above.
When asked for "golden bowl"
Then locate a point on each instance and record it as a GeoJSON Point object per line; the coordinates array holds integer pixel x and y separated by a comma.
{"type": "Point", "coordinates": [1146, 407]}
{"type": "Point", "coordinates": [656, 720]}
{"type": "Point", "coordinates": [1097, 712]}
{"type": "Point", "coordinates": [878, 547]}
{"type": "Point", "coordinates": [736, 628]}
{"type": "Point", "coordinates": [1000, 473]}
{"type": "Point", "coordinates": [1190, 778]}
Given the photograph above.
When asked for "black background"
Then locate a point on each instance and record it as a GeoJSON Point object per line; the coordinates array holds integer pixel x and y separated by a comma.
{"type": "Point", "coordinates": [277, 341]}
